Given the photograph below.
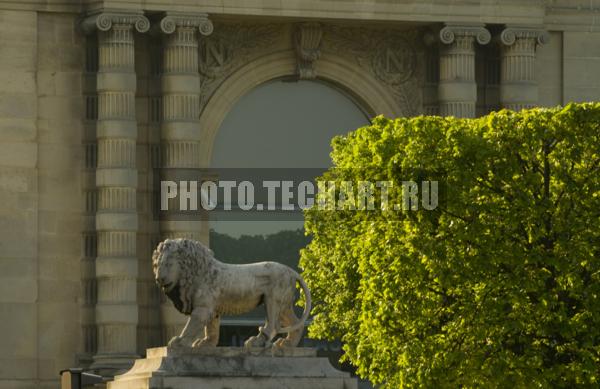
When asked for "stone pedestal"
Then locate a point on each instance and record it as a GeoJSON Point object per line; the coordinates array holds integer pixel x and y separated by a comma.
{"type": "Point", "coordinates": [233, 368]}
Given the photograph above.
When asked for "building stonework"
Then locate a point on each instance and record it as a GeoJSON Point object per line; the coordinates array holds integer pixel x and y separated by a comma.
{"type": "Point", "coordinates": [96, 94]}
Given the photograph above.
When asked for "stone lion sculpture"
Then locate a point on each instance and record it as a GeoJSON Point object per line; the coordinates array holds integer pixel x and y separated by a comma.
{"type": "Point", "coordinates": [205, 289]}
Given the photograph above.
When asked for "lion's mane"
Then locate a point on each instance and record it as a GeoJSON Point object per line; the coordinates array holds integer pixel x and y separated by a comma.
{"type": "Point", "coordinates": [195, 261]}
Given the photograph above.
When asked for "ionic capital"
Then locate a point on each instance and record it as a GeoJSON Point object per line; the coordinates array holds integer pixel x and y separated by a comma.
{"type": "Point", "coordinates": [450, 32]}
{"type": "Point", "coordinates": [171, 21]}
{"type": "Point", "coordinates": [510, 35]}
{"type": "Point", "coordinates": [104, 21]}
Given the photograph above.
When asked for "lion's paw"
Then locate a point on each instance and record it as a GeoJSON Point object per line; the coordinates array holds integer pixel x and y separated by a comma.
{"type": "Point", "coordinates": [257, 341]}
{"type": "Point", "coordinates": [283, 343]}
{"type": "Point", "coordinates": [175, 341]}
{"type": "Point", "coordinates": [203, 343]}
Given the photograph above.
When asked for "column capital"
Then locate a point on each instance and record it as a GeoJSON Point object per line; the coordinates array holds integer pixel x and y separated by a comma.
{"type": "Point", "coordinates": [511, 33]}
{"type": "Point", "coordinates": [169, 23]}
{"type": "Point", "coordinates": [449, 33]}
{"type": "Point", "coordinates": [104, 20]}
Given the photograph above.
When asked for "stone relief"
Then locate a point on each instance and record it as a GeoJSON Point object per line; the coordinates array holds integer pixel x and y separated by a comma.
{"type": "Point", "coordinates": [205, 289]}
{"type": "Point", "coordinates": [227, 48]}
{"type": "Point", "coordinates": [393, 57]}
{"type": "Point", "coordinates": [307, 41]}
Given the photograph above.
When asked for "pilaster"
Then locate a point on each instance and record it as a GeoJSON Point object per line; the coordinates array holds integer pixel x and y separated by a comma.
{"type": "Point", "coordinates": [180, 129]}
{"type": "Point", "coordinates": [457, 90]}
{"type": "Point", "coordinates": [116, 182]}
{"type": "Point", "coordinates": [518, 86]}
{"type": "Point", "coordinates": [88, 260]}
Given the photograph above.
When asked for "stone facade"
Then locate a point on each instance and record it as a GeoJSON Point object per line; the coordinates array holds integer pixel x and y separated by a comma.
{"type": "Point", "coordinates": [95, 94]}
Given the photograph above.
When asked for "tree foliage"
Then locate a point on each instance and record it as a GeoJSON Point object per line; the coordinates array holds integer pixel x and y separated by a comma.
{"type": "Point", "coordinates": [499, 286]}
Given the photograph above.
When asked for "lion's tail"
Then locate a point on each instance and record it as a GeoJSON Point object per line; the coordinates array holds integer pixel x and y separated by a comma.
{"type": "Point", "coordinates": [307, 307]}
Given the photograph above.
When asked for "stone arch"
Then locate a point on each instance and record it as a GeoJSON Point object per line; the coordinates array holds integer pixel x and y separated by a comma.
{"type": "Point", "coordinates": [367, 92]}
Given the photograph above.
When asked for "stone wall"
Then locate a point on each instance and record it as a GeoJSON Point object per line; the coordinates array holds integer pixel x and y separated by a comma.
{"type": "Point", "coordinates": [19, 200]}
{"type": "Point", "coordinates": [548, 71]}
{"type": "Point", "coordinates": [581, 61]}
{"type": "Point", "coordinates": [60, 201]}
{"type": "Point", "coordinates": [40, 195]}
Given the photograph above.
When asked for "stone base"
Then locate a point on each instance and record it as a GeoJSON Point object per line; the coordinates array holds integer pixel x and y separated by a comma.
{"type": "Point", "coordinates": [233, 368]}
{"type": "Point", "coordinates": [109, 365]}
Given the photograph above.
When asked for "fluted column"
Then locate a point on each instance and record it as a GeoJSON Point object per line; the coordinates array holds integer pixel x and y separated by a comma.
{"type": "Point", "coordinates": [180, 130]}
{"type": "Point", "coordinates": [518, 86]}
{"type": "Point", "coordinates": [457, 90]}
{"type": "Point", "coordinates": [116, 181]}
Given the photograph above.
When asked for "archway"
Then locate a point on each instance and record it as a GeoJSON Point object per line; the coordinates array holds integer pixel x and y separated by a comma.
{"type": "Point", "coordinates": [338, 78]}
{"type": "Point", "coordinates": [339, 73]}
{"type": "Point", "coordinates": [283, 125]}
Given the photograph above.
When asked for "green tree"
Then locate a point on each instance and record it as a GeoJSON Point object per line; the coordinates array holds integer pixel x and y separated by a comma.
{"type": "Point", "coordinates": [499, 286]}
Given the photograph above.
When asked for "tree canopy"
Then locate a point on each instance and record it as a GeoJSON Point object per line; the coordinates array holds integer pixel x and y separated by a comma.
{"type": "Point", "coordinates": [499, 286]}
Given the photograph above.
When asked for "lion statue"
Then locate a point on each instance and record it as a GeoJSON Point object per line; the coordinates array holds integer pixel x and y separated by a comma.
{"type": "Point", "coordinates": [205, 289]}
